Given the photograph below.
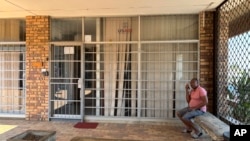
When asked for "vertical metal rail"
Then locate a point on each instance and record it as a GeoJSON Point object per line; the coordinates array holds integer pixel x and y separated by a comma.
{"type": "Point", "coordinates": [98, 76]}
{"type": "Point", "coordinates": [139, 69]}
{"type": "Point", "coordinates": [82, 78]}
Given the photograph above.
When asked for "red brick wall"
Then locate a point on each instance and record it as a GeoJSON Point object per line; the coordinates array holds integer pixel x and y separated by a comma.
{"type": "Point", "coordinates": [206, 55]}
{"type": "Point", "coordinates": [37, 47]}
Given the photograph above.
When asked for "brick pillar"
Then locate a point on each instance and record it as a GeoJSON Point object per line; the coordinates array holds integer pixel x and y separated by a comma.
{"type": "Point", "coordinates": [206, 54]}
{"type": "Point", "coordinates": [37, 53]}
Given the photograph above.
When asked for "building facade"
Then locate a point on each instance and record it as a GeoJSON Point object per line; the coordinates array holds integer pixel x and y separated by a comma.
{"type": "Point", "coordinates": [119, 68]}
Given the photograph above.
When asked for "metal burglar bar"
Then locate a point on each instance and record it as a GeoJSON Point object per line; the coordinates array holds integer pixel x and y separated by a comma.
{"type": "Point", "coordinates": [233, 62]}
{"type": "Point", "coordinates": [117, 90]}
{"type": "Point", "coordinates": [165, 69]}
{"type": "Point", "coordinates": [131, 67]}
{"type": "Point", "coordinates": [65, 74]}
{"type": "Point", "coordinates": [12, 79]}
{"type": "Point", "coordinates": [111, 76]}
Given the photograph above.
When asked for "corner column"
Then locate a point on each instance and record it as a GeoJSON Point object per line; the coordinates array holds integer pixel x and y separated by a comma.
{"type": "Point", "coordinates": [207, 55]}
{"type": "Point", "coordinates": [37, 53]}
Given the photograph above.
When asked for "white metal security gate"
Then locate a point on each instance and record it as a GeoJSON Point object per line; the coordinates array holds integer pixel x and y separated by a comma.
{"type": "Point", "coordinates": [65, 65]}
{"type": "Point", "coordinates": [12, 80]}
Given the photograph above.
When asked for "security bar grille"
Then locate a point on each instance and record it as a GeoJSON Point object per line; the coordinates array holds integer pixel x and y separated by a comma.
{"type": "Point", "coordinates": [12, 79]}
{"type": "Point", "coordinates": [64, 77]}
{"type": "Point", "coordinates": [233, 62]}
{"type": "Point", "coordinates": [130, 67]}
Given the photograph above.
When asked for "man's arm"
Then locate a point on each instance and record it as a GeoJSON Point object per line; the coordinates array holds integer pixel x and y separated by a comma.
{"type": "Point", "coordinates": [187, 96]}
{"type": "Point", "coordinates": [187, 93]}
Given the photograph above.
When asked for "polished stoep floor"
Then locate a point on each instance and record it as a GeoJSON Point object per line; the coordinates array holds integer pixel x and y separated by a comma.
{"type": "Point", "coordinates": [65, 130]}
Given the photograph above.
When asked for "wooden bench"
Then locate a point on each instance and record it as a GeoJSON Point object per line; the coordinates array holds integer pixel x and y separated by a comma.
{"type": "Point", "coordinates": [212, 125]}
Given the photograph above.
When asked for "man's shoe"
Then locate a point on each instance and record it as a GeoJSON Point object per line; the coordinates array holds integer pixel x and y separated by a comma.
{"type": "Point", "coordinates": [195, 136]}
{"type": "Point", "coordinates": [186, 131]}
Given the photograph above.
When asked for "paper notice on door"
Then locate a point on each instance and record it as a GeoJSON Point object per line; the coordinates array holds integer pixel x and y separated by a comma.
{"type": "Point", "coordinates": [88, 38]}
{"type": "Point", "coordinates": [69, 50]}
{"type": "Point", "coordinates": [79, 83]}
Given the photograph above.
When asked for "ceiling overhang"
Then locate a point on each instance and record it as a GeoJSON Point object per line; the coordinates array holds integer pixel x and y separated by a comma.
{"type": "Point", "coordinates": [90, 8]}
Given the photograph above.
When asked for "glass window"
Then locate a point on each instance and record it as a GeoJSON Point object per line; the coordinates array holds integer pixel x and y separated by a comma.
{"type": "Point", "coordinates": [121, 77]}
{"type": "Point", "coordinates": [12, 30]}
{"type": "Point", "coordinates": [171, 27]}
{"type": "Point", "coordinates": [12, 79]}
{"type": "Point", "coordinates": [90, 27]}
{"type": "Point", "coordinates": [66, 29]}
{"type": "Point", "coordinates": [120, 29]}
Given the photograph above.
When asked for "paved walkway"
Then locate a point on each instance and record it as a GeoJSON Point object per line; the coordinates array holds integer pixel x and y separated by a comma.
{"type": "Point", "coordinates": [65, 131]}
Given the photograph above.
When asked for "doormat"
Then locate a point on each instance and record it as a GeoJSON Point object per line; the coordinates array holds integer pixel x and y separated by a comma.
{"type": "Point", "coordinates": [86, 125]}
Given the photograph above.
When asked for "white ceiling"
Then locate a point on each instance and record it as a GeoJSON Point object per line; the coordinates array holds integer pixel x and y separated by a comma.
{"type": "Point", "coordinates": [75, 8]}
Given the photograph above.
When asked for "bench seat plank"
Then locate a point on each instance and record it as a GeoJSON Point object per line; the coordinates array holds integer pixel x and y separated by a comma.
{"type": "Point", "coordinates": [212, 125]}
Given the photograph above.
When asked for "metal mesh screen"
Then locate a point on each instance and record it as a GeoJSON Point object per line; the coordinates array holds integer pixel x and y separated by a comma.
{"type": "Point", "coordinates": [233, 57]}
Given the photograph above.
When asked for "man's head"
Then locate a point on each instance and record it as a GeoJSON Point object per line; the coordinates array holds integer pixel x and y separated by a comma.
{"type": "Point", "coordinates": [194, 83]}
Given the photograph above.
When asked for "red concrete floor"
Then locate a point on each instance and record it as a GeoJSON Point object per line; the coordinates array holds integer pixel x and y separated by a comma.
{"type": "Point", "coordinates": [65, 131]}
